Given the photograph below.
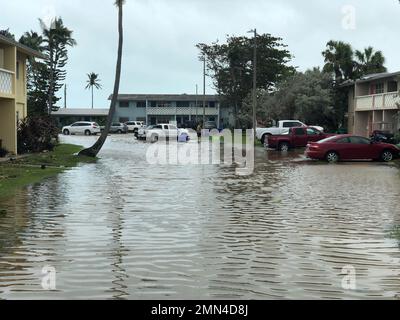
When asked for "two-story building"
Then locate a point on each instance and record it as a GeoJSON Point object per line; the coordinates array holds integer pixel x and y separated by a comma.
{"type": "Point", "coordinates": [373, 104]}
{"type": "Point", "coordinates": [13, 96]}
{"type": "Point", "coordinates": [165, 108]}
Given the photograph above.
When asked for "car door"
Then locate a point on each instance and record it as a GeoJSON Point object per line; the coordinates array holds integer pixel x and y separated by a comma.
{"type": "Point", "coordinates": [75, 128]}
{"type": "Point", "coordinates": [299, 137]}
{"type": "Point", "coordinates": [360, 148]}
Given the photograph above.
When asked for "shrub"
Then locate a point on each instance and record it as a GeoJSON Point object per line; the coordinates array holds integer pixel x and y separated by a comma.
{"type": "Point", "coordinates": [3, 152]}
{"type": "Point", "coordinates": [36, 134]}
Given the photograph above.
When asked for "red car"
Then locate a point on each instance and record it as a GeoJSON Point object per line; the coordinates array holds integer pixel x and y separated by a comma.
{"type": "Point", "coordinates": [349, 147]}
{"type": "Point", "coordinates": [295, 137]}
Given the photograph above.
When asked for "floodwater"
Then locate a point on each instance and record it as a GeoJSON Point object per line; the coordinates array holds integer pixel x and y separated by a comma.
{"type": "Point", "coordinates": [124, 229]}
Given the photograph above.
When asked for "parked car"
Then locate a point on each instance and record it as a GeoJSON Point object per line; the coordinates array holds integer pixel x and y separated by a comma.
{"type": "Point", "coordinates": [82, 127]}
{"type": "Point", "coordinates": [134, 126]}
{"type": "Point", "coordinates": [295, 138]}
{"type": "Point", "coordinates": [117, 127]}
{"type": "Point", "coordinates": [159, 131]}
{"type": "Point", "coordinates": [383, 136]}
{"type": "Point", "coordinates": [282, 127]}
{"type": "Point", "coordinates": [349, 147]}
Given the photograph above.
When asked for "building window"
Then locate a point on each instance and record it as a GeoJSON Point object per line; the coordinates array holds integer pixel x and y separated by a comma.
{"type": "Point", "coordinates": [17, 71]}
{"type": "Point", "coordinates": [163, 104]}
{"type": "Point", "coordinates": [379, 88]}
{"type": "Point", "coordinates": [141, 104]}
{"type": "Point", "coordinates": [124, 104]}
{"type": "Point", "coordinates": [392, 86]}
{"type": "Point", "coordinates": [212, 104]}
{"type": "Point", "coordinates": [182, 104]}
{"type": "Point", "coordinates": [123, 120]}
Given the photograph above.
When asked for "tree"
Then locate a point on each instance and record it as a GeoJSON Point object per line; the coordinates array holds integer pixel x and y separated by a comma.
{"type": "Point", "coordinates": [56, 39]}
{"type": "Point", "coordinates": [93, 82]}
{"type": "Point", "coordinates": [37, 76]}
{"type": "Point", "coordinates": [230, 65]}
{"type": "Point", "coordinates": [307, 96]}
{"type": "Point", "coordinates": [369, 61]}
{"type": "Point", "coordinates": [339, 60]}
{"type": "Point", "coordinates": [95, 149]}
{"type": "Point", "coordinates": [7, 33]}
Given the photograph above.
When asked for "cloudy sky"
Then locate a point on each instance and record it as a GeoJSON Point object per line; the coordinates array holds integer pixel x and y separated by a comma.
{"type": "Point", "coordinates": [160, 36]}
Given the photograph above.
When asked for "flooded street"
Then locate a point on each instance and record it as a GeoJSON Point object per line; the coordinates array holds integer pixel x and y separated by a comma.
{"type": "Point", "coordinates": [124, 229]}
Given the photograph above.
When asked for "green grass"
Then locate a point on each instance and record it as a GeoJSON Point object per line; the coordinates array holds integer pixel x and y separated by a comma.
{"type": "Point", "coordinates": [26, 171]}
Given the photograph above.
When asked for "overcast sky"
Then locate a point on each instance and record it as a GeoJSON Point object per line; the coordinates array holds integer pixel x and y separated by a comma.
{"type": "Point", "coordinates": [160, 36]}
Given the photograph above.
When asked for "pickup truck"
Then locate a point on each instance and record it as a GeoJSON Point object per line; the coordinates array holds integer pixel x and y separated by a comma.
{"type": "Point", "coordinates": [263, 133]}
{"type": "Point", "coordinates": [295, 137]}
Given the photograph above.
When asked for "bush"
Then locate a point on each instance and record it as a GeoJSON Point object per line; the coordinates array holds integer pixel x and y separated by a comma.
{"type": "Point", "coordinates": [3, 152]}
{"type": "Point", "coordinates": [36, 134]}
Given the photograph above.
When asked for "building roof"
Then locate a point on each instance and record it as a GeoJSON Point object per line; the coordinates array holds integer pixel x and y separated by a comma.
{"type": "Point", "coordinates": [22, 48]}
{"type": "Point", "coordinates": [80, 112]}
{"type": "Point", "coordinates": [165, 97]}
{"type": "Point", "coordinates": [371, 77]}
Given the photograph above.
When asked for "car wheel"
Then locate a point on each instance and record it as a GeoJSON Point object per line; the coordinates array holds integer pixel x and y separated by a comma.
{"type": "Point", "coordinates": [387, 156]}
{"type": "Point", "coordinates": [66, 132]}
{"type": "Point", "coordinates": [332, 157]}
{"type": "Point", "coordinates": [87, 133]}
{"type": "Point", "coordinates": [154, 138]}
{"type": "Point", "coordinates": [284, 147]}
{"type": "Point", "coordinates": [119, 131]}
{"type": "Point", "coordinates": [265, 136]}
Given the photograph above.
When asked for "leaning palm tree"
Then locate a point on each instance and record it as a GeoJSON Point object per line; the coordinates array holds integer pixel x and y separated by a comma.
{"type": "Point", "coordinates": [95, 149]}
{"type": "Point", "coordinates": [93, 82]}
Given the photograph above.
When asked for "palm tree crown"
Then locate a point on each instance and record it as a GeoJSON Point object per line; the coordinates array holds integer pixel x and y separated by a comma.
{"type": "Point", "coordinates": [93, 82]}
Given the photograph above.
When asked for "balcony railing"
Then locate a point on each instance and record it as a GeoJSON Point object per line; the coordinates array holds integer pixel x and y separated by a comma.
{"type": "Point", "coordinates": [6, 82]}
{"type": "Point", "coordinates": [167, 111]}
{"type": "Point", "coordinates": [377, 101]}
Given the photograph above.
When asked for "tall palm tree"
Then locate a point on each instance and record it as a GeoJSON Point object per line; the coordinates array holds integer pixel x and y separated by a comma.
{"type": "Point", "coordinates": [95, 149]}
{"type": "Point", "coordinates": [370, 61]}
{"type": "Point", "coordinates": [93, 82]}
{"type": "Point", "coordinates": [339, 60]}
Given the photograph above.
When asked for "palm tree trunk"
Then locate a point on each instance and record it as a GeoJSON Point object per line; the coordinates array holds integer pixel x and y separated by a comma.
{"type": "Point", "coordinates": [95, 149]}
{"type": "Point", "coordinates": [92, 97]}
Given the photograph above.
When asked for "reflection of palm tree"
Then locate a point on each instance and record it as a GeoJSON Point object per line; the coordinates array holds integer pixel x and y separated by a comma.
{"type": "Point", "coordinates": [95, 149]}
{"type": "Point", "coordinates": [93, 82]}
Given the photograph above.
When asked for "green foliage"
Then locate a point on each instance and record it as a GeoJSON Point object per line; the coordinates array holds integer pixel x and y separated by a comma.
{"type": "Point", "coordinates": [3, 152]}
{"type": "Point", "coordinates": [45, 79]}
{"type": "Point", "coordinates": [230, 65]}
{"type": "Point", "coordinates": [305, 96]}
{"type": "Point", "coordinates": [7, 34]}
{"type": "Point", "coordinates": [37, 133]}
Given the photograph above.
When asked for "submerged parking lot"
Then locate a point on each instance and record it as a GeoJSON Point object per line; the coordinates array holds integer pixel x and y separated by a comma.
{"type": "Point", "coordinates": [122, 228]}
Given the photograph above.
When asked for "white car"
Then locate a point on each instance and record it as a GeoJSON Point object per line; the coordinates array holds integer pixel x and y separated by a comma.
{"type": "Point", "coordinates": [160, 131]}
{"type": "Point", "coordinates": [82, 127]}
{"type": "Point", "coordinates": [134, 126]}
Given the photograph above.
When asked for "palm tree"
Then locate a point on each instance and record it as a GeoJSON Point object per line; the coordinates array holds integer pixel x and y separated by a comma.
{"type": "Point", "coordinates": [93, 82]}
{"type": "Point", "coordinates": [95, 149]}
{"type": "Point", "coordinates": [339, 60]}
{"type": "Point", "coordinates": [370, 61]}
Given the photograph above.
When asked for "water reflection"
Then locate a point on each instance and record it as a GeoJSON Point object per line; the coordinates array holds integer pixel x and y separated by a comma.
{"type": "Point", "coordinates": [122, 229]}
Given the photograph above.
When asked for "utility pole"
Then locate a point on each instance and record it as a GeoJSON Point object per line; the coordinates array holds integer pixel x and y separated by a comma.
{"type": "Point", "coordinates": [255, 83]}
{"type": "Point", "coordinates": [65, 96]}
{"type": "Point", "coordinates": [197, 102]}
{"type": "Point", "coordinates": [204, 90]}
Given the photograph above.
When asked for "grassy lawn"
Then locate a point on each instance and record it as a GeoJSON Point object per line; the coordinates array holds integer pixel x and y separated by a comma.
{"type": "Point", "coordinates": [26, 171]}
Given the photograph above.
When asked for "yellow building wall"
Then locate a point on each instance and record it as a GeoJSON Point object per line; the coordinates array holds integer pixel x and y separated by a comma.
{"type": "Point", "coordinates": [8, 127]}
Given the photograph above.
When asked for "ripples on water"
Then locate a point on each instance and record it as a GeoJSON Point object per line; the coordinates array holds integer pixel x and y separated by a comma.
{"type": "Point", "coordinates": [121, 228]}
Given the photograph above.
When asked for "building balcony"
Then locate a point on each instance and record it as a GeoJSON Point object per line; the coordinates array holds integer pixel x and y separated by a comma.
{"type": "Point", "coordinates": [168, 111]}
{"type": "Point", "coordinates": [384, 101]}
{"type": "Point", "coordinates": [6, 83]}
